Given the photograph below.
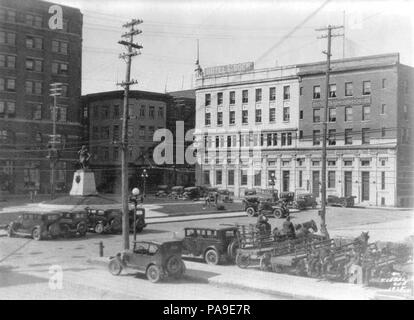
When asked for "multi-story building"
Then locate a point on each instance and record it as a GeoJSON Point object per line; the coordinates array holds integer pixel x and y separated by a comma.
{"type": "Point", "coordinates": [32, 56]}
{"type": "Point", "coordinates": [254, 133]}
{"type": "Point", "coordinates": [369, 151]}
{"type": "Point", "coordinates": [246, 125]}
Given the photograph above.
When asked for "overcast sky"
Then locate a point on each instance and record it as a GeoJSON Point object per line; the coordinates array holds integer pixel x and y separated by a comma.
{"type": "Point", "coordinates": [230, 31]}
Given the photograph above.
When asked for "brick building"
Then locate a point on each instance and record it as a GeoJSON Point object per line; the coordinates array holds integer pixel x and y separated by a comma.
{"type": "Point", "coordinates": [32, 56]}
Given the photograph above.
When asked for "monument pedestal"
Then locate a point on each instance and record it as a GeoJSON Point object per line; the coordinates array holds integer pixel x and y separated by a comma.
{"type": "Point", "coordinates": [83, 183]}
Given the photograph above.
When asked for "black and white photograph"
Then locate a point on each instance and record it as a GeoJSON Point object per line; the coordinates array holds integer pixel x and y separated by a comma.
{"type": "Point", "coordinates": [218, 151]}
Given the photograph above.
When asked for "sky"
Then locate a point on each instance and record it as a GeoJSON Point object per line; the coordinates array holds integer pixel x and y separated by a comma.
{"type": "Point", "coordinates": [269, 33]}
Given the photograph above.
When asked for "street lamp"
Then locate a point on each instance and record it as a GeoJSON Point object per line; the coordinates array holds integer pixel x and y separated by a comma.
{"type": "Point", "coordinates": [144, 176]}
{"type": "Point", "coordinates": [135, 194]}
{"type": "Point", "coordinates": [272, 182]}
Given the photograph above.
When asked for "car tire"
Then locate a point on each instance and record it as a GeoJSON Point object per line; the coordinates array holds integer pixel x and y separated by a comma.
{"type": "Point", "coordinates": [99, 228]}
{"type": "Point", "coordinates": [153, 273]}
{"type": "Point", "coordinates": [115, 267]}
{"type": "Point", "coordinates": [81, 228]}
{"type": "Point", "coordinates": [232, 250]}
{"type": "Point", "coordinates": [212, 257]}
{"type": "Point", "coordinates": [250, 212]}
{"type": "Point", "coordinates": [173, 265]}
{"type": "Point", "coordinates": [116, 225]}
{"type": "Point", "coordinates": [36, 234]}
{"type": "Point", "coordinates": [277, 213]}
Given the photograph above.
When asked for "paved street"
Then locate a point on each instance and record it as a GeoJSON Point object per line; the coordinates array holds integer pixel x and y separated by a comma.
{"type": "Point", "coordinates": [25, 263]}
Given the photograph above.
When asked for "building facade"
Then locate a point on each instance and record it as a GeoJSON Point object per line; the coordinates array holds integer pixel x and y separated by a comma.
{"type": "Point", "coordinates": [32, 56]}
{"type": "Point", "coordinates": [252, 134]}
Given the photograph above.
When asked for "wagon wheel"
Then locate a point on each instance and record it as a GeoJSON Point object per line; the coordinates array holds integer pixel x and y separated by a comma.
{"type": "Point", "coordinates": [36, 234]}
{"type": "Point", "coordinates": [265, 264]}
{"type": "Point", "coordinates": [115, 267]}
{"type": "Point", "coordinates": [242, 260]}
{"type": "Point", "coordinates": [250, 212]}
{"type": "Point", "coordinates": [81, 228]}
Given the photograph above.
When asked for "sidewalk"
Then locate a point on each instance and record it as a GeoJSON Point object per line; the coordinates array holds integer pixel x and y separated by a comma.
{"type": "Point", "coordinates": [276, 284]}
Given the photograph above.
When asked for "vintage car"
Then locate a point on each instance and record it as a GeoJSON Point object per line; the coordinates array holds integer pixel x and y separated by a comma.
{"type": "Point", "coordinates": [140, 223]}
{"type": "Point", "coordinates": [212, 244]}
{"type": "Point", "coordinates": [73, 223]}
{"type": "Point", "coordinates": [305, 200]}
{"type": "Point", "coordinates": [225, 196]}
{"type": "Point", "coordinates": [341, 201]}
{"type": "Point", "coordinates": [192, 193]}
{"type": "Point", "coordinates": [255, 205]}
{"type": "Point", "coordinates": [176, 192]}
{"type": "Point", "coordinates": [162, 191]}
{"type": "Point", "coordinates": [156, 259]}
{"type": "Point", "coordinates": [100, 220]}
{"type": "Point", "coordinates": [250, 192]}
{"type": "Point", "coordinates": [37, 225]}
{"type": "Point", "coordinates": [288, 198]}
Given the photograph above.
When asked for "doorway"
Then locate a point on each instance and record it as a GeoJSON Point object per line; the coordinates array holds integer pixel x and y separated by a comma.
{"type": "Point", "coordinates": [315, 184]}
{"type": "Point", "coordinates": [365, 185]}
{"type": "Point", "coordinates": [348, 183]}
{"type": "Point", "coordinates": [285, 186]}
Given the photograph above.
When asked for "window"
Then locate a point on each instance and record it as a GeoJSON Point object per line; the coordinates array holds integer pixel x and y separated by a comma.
{"type": "Point", "coordinates": [300, 134]}
{"type": "Point", "coordinates": [230, 177]}
{"type": "Point", "coordinates": [245, 96]}
{"type": "Point", "coordinates": [105, 112]}
{"type": "Point", "coordinates": [208, 119]}
{"type": "Point", "coordinates": [286, 92]}
{"type": "Point", "coordinates": [7, 84]}
{"type": "Point", "coordinates": [219, 98]}
{"type": "Point", "coordinates": [301, 114]}
{"type": "Point", "coordinates": [8, 38]}
{"type": "Point", "coordinates": [142, 111]}
{"type": "Point", "coordinates": [7, 15]}
{"type": "Point", "coordinates": [405, 85]}
{"type": "Point", "coordinates": [151, 112]}
{"type": "Point", "coordinates": [116, 153]}
{"type": "Point", "coordinates": [269, 139]}
{"type": "Point", "coordinates": [331, 179]}
{"type": "Point", "coordinates": [258, 115]}
{"type": "Point", "coordinates": [331, 163]}
{"type": "Point", "coordinates": [7, 107]}
{"type": "Point", "coordinates": [316, 163]}
{"type": "Point", "coordinates": [37, 112]}
{"type": "Point", "coordinates": [243, 177]}
{"type": "Point", "coordinates": [316, 92]}
{"type": "Point", "coordinates": [384, 83]}
{"type": "Point", "coordinates": [383, 108]}
{"type": "Point", "coordinates": [258, 95]}
{"type": "Point", "coordinates": [383, 180]}
{"type": "Point", "coordinates": [349, 89]}
{"type": "Point", "coordinates": [64, 92]}
{"type": "Point", "coordinates": [232, 117]}
{"type": "Point", "coordinates": [219, 118]}
{"type": "Point", "coordinates": [116, 111]}
{"type": "Point", "coordinates": [283, 139]}
{"type": "Point", "coordinates": [61, 115]}
{"type": "Point", "coordinates": [95, 132]}
{"type": "Point", "coordinates": [232, 97]}
{"type": "Point", "coordinates": [161, 112]}
{"type": "Point", "coordinates": [366, 87]}
{"type": "Point", "coordinates": [105, 153]}
{"type": "Point", "coordinates": [257, 177]}
{"type": "Point", "coordinates": [245, 116]}
{"type": "Point", "coordinates": [59, 46]}
{"type": "Point", "coordinates": [366, 110]}
{"type": "Point", "coordinates": [301, 91]}
{"type": "Point", "coordinates": [105, 132]}
{"type": "Point", "coordinates": [316, 137]}
{"type": "Point", "coordinates": [33, 20]}
{"type": "Point", "coordinates": [300, 178]}
{"type": "Point", "coordinates": [365, 136]}
{"type": "Point", "coordinates": [286, 114]}
{"type": "Point", "coordinates": [115, 133]}
{"type": "Point", "coordinates": [285, 163]}
{"type": "Point", "coordinates": [383, 162]}
{"type": "Point", "coordinates": [332, 137]}
{"type": "Point", "coordinates": [383, 132]}
{"type": "Point", "coordinates": [207, 99]}
{"type": "Point", "coordinates": [219, 176]}
{"type": "Point", "coordinates": [348, 114]}
{"type": "Point", "coordinates": [272, 114]}
{"type": "Point", "coordinates": [332, 114]}
{"type": "Point", "coordinates": [405, 112]}
{"type": "Point", "coordinates": [274, 139]}
{"type": "Point", "coordinates": [34, 87]}
{"type": "Point", "coordinates": [272, 93]}
{"type": "Point", "coordinates": [316, 115]}
{"type": "Point", "coordinates": [59, 68]}
{"type": "Point", "coordinates": [348, 136]}
{"type": "Point", "coordinates": [7, 61]}
{"type": "Point", "coordinates": [332, 91]}
{"type": "Point", "coordinates": [347, 163]}
{"type": "Point", "coordinates": [34, 42]}
{"type": "Point", "coordinates": [142, 132]}
{"type": "Point", "coordinates": [365, 163]}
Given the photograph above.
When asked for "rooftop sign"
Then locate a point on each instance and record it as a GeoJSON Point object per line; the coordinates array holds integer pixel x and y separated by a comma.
{"type": "Point", "coordinates": [229, 68]}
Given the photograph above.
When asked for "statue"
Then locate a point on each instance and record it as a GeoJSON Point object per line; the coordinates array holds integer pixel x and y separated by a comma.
{"type": "Point", "coordinates": [84, 157]}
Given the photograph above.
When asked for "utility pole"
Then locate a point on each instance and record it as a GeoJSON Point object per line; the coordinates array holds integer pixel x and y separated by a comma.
{"type": "Point", "coordinates": [55, 91]}
{"type": "Point", "coordinates": [133, 50]}
{"type": "Point", "coordinates": [343, 35]}
{"type": "Point", "coordinates": [324, 230]}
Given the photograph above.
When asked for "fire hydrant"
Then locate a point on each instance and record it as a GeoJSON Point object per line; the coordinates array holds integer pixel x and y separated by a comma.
{"type": "Point", "coordinates": [101, 247]}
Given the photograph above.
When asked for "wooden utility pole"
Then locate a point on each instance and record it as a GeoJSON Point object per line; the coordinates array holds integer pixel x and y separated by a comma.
{"type": "Point", "coordinates": [55, 91]}
{"type": "Point", "coordinates": [324, 229]}
{"type": "Point", "coordinates": [133, 50]}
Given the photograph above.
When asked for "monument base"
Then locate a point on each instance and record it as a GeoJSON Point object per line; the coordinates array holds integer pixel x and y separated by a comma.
{"type": "Point", "coordinates": [83, 183]}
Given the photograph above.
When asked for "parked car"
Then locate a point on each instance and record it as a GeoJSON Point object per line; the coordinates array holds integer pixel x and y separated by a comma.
{"type": "Point", "coordinates": [100, 220]}
{"type": "Point", "coordinates": [254, 205]}
{"type": "Point", "coordinates": [212, 244]}
{"type": "Point", "coordinates": [225, 196]}
{"type": "Point", "coordinates": [156, 259]}
{"type": "Point", "coordinates": [176, 192]}
{"type": "Point", "coordinates": [288, 198]}
{"type": "Point", "coordinates": [305, 200]}
{"type": "Point", "coordinates": [37, 225]}
{"type": "Point", "coordinates": [74, 223]}
{"type": "Point", "coordinates": [250, 192]}
{"type": "Point", "coordinates": [341, 201]}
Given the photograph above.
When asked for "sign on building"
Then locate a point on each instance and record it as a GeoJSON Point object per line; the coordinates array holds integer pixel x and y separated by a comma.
{"type": "Point", "coordinates": [229, 68]}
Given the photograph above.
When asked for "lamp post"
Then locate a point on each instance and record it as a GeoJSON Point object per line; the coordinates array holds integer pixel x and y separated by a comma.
{"type": "Point", "coordinates": [272, 182]}
{"type": "Point", "coordinates": [135, 194]}
{"type": "Point", "coordinates": [144, 176]}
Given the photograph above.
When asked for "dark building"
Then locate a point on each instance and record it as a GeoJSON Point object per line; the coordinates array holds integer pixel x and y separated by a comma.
{"type": "Point", "coordinates": [370, 148]}
{"type": "Point", "coordinates": [33, 54]}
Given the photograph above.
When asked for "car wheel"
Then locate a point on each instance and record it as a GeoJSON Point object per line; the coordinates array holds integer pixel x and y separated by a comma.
{"type": "Point", "coordinates": [250, 212]}
{"type": "Point", "coordinates": [115, 267]}
{"type": "Point", "coordinates": [277, 213]}
{"type": "Point", "coordinates": [153, 273]}
{"type": "Point", "coordinates": [242, 260]}
{"type": "Point", "coordinates": [116, 224]}
{"type": "Point", "coordinates": [81, 228]}
{"type": "Point", "coordinates": [212, 257]}
{"type": "Point", "coordinates": [99, 228]}
{"type": "Point", "coordinates": [232, 250]}
{"type": "Point", "coordinates": [36, 235]}
{"type": "Point", "coordinates": [173, 265]}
